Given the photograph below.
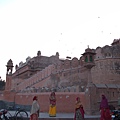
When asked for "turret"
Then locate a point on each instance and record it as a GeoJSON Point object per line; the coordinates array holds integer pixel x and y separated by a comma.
{"type": "Point", "coordinates": [8, 84]}
{"type": "Point", "coordinates": [9, 67]}
{"type": "Point", "coordinates": [39, 53]}
{"type": "Point", "coordinates": [88, 58]}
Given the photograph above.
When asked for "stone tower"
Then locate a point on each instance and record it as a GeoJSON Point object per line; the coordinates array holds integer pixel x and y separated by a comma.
{"type": "Point", "coordinates": [90, 88]}
{"type": "Point", "coordinates": [9, 95]}
{"type": "Point", "coordinates": [9, 75]}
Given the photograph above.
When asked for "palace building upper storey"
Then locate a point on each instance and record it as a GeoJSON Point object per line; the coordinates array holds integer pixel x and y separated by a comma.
{"type": "Point", "coordinates": [43, 73]}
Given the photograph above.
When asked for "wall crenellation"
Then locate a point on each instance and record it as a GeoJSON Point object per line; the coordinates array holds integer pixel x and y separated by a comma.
{"type": "Point", "coordinates": [32, 80]}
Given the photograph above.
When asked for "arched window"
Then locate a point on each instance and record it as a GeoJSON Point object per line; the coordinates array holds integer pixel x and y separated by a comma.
{"type": "Point", "coordinates": [113, 94]}
{"type": "Point", "coordinates": [109, 54]}
{"type": "Point", "coordinates": [91, 59]}
{"type": "Point", "coordinates": [105, 54]}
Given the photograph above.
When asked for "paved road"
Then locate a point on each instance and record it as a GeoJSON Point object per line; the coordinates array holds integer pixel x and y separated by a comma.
{"type": "Point", "coordinates": [59, 115]}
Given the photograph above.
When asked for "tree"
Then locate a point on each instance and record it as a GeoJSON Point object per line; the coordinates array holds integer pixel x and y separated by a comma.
{"type": "Point", "coordinates": [2, 84]}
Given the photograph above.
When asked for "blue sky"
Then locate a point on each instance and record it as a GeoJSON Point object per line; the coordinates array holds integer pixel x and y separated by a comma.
{"type": "Point", "coordinates": [64, 26]}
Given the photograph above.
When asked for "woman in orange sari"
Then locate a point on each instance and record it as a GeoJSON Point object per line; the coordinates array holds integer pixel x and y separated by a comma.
{"type": "Point", "coordinates": [52, 108]}
{"type": "Point", "coordinates": [34, 113]}
{"type": "Point", "coordinates": [79, 111]}
{"type": "Point", "coordinates": [104, 109]}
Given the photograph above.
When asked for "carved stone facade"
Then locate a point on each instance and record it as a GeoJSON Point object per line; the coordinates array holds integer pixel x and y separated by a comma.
{"type": "Point", "coordinates": [107, 64]}
{"type": "Point", "coordinates": [45, 74]}
{"type": "Point", "coordinates": [55, 73]}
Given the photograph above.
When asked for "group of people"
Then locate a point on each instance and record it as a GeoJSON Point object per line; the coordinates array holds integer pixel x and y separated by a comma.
{"type": "Point", "coordinates": [35, 109]}
{"type": "Point", "coordinates": [79, 110]}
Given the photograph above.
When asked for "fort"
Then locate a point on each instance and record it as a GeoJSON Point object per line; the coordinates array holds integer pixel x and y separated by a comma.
{"type": "Point", "coordinates": [96, 72]}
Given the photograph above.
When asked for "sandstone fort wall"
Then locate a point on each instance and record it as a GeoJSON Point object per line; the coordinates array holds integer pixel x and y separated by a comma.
{"type": "Point", "coordinates": [65, 100]}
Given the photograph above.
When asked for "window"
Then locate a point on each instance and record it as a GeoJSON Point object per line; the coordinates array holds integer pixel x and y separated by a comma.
{"type": "Point", "coordinates": [91, 59]}
{"type": "Point", "coordinates": [113, 94]}
{"type": "Point", "coordinates": [86, 59]}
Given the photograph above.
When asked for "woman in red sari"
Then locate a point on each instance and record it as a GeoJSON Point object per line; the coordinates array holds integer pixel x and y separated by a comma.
{"type": "Point", "coordinates": [104, 109]}
{"type": "Point", "coordinates": [34, 113]}
{"type": "Point", "coordinates": [79, 111]}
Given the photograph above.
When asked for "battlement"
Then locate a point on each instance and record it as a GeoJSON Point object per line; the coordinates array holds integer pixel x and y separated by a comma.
{"type": "Point", "coordinates": [116, 42]}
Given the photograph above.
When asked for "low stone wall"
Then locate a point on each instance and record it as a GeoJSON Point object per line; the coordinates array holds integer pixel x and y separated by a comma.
{"type": "Point", "coordinates": [65, 100]}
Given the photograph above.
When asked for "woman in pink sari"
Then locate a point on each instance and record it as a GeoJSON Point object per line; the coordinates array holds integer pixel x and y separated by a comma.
{"type": "Point", "coordinates": [104, 109]}
{"type": "Point", "coordinates": [34, 113]}
{"type": "Point", "coordinates": [79, 111]}
{"type": "Point", "coordinates": [52, 108]}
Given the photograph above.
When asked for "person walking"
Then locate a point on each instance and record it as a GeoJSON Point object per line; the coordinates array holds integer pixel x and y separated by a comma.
{"type": "Point", "coordinates": [35, 109]}
{"type": "Point", "coordinates": [52, 108]}
{"type": "Point", "coordinates": [104, 109]}
{"type": "Point", "coordinates": [79, 110]}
